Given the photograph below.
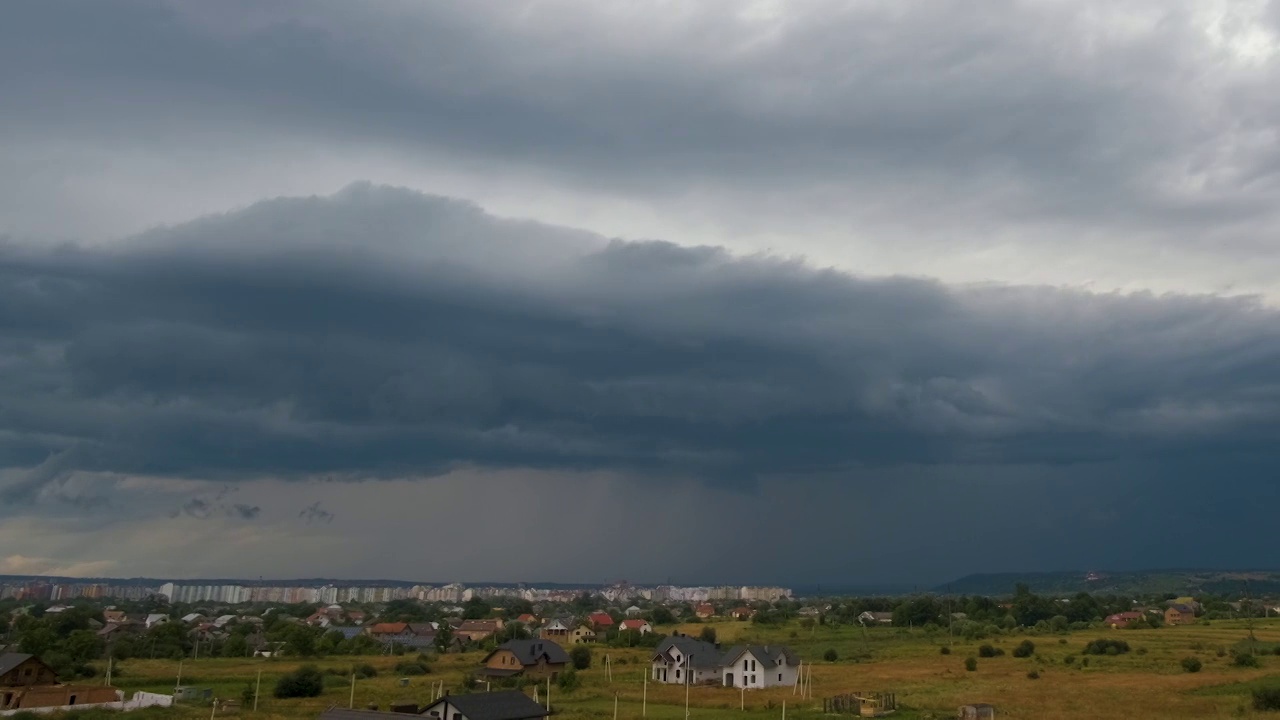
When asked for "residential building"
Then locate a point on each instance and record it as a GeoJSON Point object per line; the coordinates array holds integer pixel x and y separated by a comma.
{"type": "Point", "coordinates": [704, 610]}
{"type": "Point", "coordinates": [1123, 620]}
{"type": "Point", "coordinates": [636, 625]}
{"type": "Point", "coordinates": [682, 659]}
{"type": "Point", "coordinates": [1179, 615]}
{"type": "Point", "coordinates": [478, 630]}
{"type": "Point", "coordinates": [531, 658]}
{"type": "Point", "coordinates": [759, 666]}
{"type": "Point", "coordinates": [873, 618]}
{"type": "Point", "coordinates": [582, 634]}
{"type": "Point", "coordinates": [600, 620]}
{"type": "Point", "coordinates": [557, 630]}
{"type": "Point", "coordinates": [498, 705]}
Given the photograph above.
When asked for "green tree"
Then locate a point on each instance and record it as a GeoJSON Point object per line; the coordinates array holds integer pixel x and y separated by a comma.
{"type": "Point", "coordinates": [235, 646]}
{"type": "Point", "coordinates": [444, 638]}
{"type": "Point", "coordinates": [580, 655]}
{"type": "Point", "coordinates": [831, 655]}
{"type": "Point", "coordinates": [708, 634]}
{"type": "Point", "coordinates": [306, 681]}
{"type": "Point", "coordinates": [661, 616]}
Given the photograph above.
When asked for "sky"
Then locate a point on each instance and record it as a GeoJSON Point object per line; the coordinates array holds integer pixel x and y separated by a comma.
{"type": "Point", "coordinates": [841, 292]}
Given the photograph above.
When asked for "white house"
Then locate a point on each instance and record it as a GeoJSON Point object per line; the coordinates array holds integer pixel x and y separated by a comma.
{"type": "Point", "coordinates": [759, 666]}
{"type": "Point", "coordinates": [636, 625]}
{"type": "Point", "coordinates": [155, 619]}
{"type": "Point", "coordinates": [680, 660]}
{"type": "Point", "coordinates": [633, 611]}
{"type": "Point", "coordinates": [871, 618]}
{"type": "Point", "coordinates": [497, 705]}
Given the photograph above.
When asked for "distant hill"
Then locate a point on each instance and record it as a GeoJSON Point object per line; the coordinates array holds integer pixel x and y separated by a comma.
{"type": "Point", "coordinates": [1140, 582]}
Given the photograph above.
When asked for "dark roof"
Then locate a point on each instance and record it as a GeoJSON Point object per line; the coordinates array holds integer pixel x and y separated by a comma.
{"type": "Point", "coordinates": [337, 713]}
{"type": "Point", "coordinates": [528, 651]}
{"type": "Point", "coordinates": [705, 655]}
{"type": "Point", "coordinates": [499, 705]}
{"type": "Point", "coordinates": [9, 661]}
{"type": "Point", "coordinates": [1186, 609]}
{"type": "Point", "coordinates": [767, 655]}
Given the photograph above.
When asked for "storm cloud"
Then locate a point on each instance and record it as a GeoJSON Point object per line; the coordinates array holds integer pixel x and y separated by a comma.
{"type": "Point", "coordinates": [382, 332]}
{"type": "Point", "coordinates": [273, 276]}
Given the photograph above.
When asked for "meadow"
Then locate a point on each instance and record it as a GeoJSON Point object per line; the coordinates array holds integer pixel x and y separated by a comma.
{"type": "Point", "coordinates": [1147, 682]}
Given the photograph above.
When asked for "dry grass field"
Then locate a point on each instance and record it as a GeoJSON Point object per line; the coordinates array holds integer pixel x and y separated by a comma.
{"type": "Point", "coordinates": [1148, 682]}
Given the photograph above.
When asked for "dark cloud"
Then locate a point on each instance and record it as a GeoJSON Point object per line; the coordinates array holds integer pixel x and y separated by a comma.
{"type": "Point", "coordinates": [382, 333]}
{"type": "Point", "coordinates": [244, 512]}
{"type": "Point", "coordinates": [314, 513]}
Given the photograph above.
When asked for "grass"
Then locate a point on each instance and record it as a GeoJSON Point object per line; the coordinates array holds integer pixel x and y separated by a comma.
{"type": "Point", "coordinates": [1145, 684]}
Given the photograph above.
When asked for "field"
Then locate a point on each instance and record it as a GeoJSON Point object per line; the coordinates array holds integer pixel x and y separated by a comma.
{"type": "Point", "coordinates": [1147, 682]}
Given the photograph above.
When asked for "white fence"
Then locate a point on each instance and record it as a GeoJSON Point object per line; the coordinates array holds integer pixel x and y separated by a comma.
{"type": "Point", "coordinates": [140, 700]}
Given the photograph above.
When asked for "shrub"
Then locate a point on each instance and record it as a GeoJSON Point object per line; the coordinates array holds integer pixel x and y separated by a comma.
{"type": "Point", "coordinates": [1062, 641]}
{"type": "Point", "coordinates": [989, 651]}
{"type": "Point", "coordinates": [830, 655]}
{"type": "Point", "coordinates": [970, 664]}
{"type": "Point", "coordinates": [306, 681]}
{"type": "Point", "coordinates": [1141, 651]}
{"type": "Point", "coordinates": [945, 650]}
{"type": "Point", "coordinates": [364, 672]}
{"type": "Point", "coordinates": [1267, 698]}
{"type": "Point", "coordinates": [568, 680]}
{"type": "Point", "coordinates": [1221, 651]}
{"type": "Point", "coordinates": [1033, 675]}
{"type": "Point", "coordinates": [1245, 660]}
{"type": "Point", "coordinates": [708, 634]}
{"type": "Point", "coordinates": [1084, 662]}
{"type": "Point", "coordinates": [581, 656]}
{"type": "Point", "coordinates": [1025, 649]}
{"type": "Point", "coordinates": [1106, 646]}
{"type": "Point", "coordinates": [1191, 664]}
{"type": "Point", "coordinates": [413, 667]}
{"type": "Point", "coordinates": [1069, 660]}
{"type": "Point", "coordinates": [1276, 650]}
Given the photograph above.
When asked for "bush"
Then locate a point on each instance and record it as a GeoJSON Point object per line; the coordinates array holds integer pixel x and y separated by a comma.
{"type": "Point", "coordinates": [1142, 651]}
{"type": "Point", "coordinates": [306, 681]}
{"type": "Point", "coordinates": [568, 680]}
{"type": "Point", "coordinates": [1033, 675]}
{"type": "Point", "coordinates": [1106, 646]}
{"type": "Point", "coordinates": [581, 657]}
{"type": "Point", "coordinates": [1266, 698]}
{"type": "Point", "coordinates": [1191, 664]}
{"type": "Point", "coordinates": [1025, 649]}
{"type": "Point", "coordinates": [1246, 660]}
{"type": "Point", "coordinates": [970, 664]}
{"type": "Point", "coordinates": [989, 651]}
{"type": "Point", "coordinates": [830, 655]}
{"type": "Point", "coordinates": [412, 667]}
{"type": "Point", "coordinates": [708, 634]}
{"type": "Point", "coordinates": [1221, 651]}
{"type": "Point", "coordinates": [364, 672]}
{"type": "Point", "coordinates": [945, 650]}
{"type": "Point", "coordinates": [1069, 660]}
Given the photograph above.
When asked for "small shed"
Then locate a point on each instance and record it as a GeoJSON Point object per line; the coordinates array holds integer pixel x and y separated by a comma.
{"type": "Point", "coordinates": [977, 711]}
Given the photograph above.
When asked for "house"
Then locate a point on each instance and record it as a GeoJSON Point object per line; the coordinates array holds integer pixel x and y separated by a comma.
{"type": "Point", "coordinates": [477, 630]}
{"type": "Point", "coordinates": [383, 631]}
{"type": "Point", "coordinates": [742, 613]}
{"type": "Point", "coordinates": [498, 705]}
{"type": "Point", "coordinates": [155, 619]}
{"type": "Point", "coordinates": [636, 625]}
{"type": "Point", "coordinates": [682, 659]}
{"type": "Point", "coordinates": [809, 611]}
{"type": "Point", "coordinates": [1123, 619]}
{"type": "Point", "coordinates": [582, 634]}
{"type": "Point", "coordinates": [192, 618]}
{"type": "Point", "coordinates": [557, 630]}
{"type": "Point", "coordinates": [356, 617]}
{"type": "Point", "coordinates": [759, 666]}
{"type": "Point", "coordinates": [872, 618]}
{"type": "Point", "coordinates": [633, 611]}
{"type": "Point", "coordinates": [114, 616]}
{"type": "Point", "coordinates": [705, 610]}
{"type": "Point", "coordinates": [531, 658]}
{"type": "Point", "coordinates": [27, 682]}
{"type": "Point", "coordinates": [1179, 615]}
{"type": "Point", "coordinates": [527, 619]}
{"type": "Point", "coordinates": [600, 620]}
{"type": "Point", "coordinates": [222, 620]}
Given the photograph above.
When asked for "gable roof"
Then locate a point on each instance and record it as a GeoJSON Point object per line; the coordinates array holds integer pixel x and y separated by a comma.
{"type": "Point", "coordinates": [1186, 610]}
{"type": "Point", "coordinates": [600, 618]}
{"type": "Point", "coordinates": [337, 713]}
{"type": "Point", "coordinates": [705, 655]}
{"type": "Point", "coordinates": [766, 655]}
{"type": "Point", "coordinates": [528, 651]}
{"type": "Point", "coordinates": [497, 705]}
{"type": "Point", "coordinates": [388, 628]}
{"type": "Point", "coordinates": [634, 624]}
{"type": "Point", "coordinates": [9, 661]}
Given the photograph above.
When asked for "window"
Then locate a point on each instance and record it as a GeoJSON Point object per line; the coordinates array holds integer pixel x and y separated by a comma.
{"type": "Point", "coordinates": [677, 674]}
{"type": "Point", "coordinates": [779, 677]}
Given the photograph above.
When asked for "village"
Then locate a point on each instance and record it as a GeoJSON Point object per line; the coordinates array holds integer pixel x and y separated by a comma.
{"type": "Point", "coordinates": [511, 659]}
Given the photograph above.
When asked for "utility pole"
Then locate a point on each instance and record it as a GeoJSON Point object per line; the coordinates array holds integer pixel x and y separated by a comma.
{"type": "Point", "coordinates": [351, 705]}
{"type": "Point", "coordinates": [644, 696]}
{"type": "Point", "coordinates": [257, 689]}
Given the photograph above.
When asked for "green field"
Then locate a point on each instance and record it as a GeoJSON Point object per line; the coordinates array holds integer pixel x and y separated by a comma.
{"type": "Point", "coordinates": [1145, 683]}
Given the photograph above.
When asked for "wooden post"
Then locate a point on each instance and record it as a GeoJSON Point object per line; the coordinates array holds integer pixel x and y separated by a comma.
{"type": "Point", "coordinates": [784, 710]}
{"type": "Point", "coordinates": [352, 704]}
{"type": "Point", "coordinates": [688, 682]}
{"type": "Point", "coordinates": [742, 700]}
{"type": "Point", "coordinates": [548, 693]}
{"type": "Point", "coordinates": [615, 706]}
{"type": "Point", "coordinates": [179, 683]}
{"type": "Point", "coordinates": [644, 696]}
{"type": "Point", "coordinates": [257, 689]}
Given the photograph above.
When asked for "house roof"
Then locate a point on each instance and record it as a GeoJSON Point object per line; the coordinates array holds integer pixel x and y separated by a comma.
{"type": "Point", "coordinates": [1182, 608]}
{"type": "Point", "coordinates": [498, 705]}
{"type": "Point", "coordinates": [766, 655]}
{"type": "Point", "coordinates": [9, 661]}
{"type": "Point", "coordinates": [600, 618]}
{"type": "Point", "coordinates": [705, 655]}
{"type": "Point", "coordinates": [388, 628]}
{"type": "Point", "coordinates": [528, 651]}
{"type": "Point", "coordinates": [633, 624]}
{"type": "Point", "coordinates": [337, 713]}
{"type": "Point", "coordinates": [479, 626]}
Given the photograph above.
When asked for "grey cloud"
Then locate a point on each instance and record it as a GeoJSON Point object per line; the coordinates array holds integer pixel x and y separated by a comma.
{"type": "Point", "coordinates": [313, 513]}
{"type": "Point", "coordinates": [244, 512]}
{"type": "Point", "coordinates": [382, 333]}
{"type": "Point", "coordinates": [1113, 117]}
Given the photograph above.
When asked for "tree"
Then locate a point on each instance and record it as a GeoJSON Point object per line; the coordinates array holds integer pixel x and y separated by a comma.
{"type": "Point", "coordinates": [1025, 649]}
{"type": "Point", "coordinates": [1191, 664]}
{"type": "Point", "coordinates": [831, 655]}
{"type": "Point", "coordinates": [581, 657]}
{"type": "Point", "coordinates": [444, 638]}
{"type": "Point", "coordinates": [568, 680]}
{"type": "Point", "coordinates": [662, 616]}
{"type": "Point", "coordinates": [306, 681]}
{"type": "Point", "coordinates": [235, 646]}
{"type": "Point", "coordinates": [708, 634]}
{"type": "Point", "coordinates": [475, 609]}
{"type": "Point", "coordinates": [970, 664]}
